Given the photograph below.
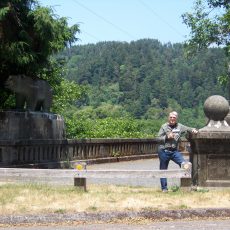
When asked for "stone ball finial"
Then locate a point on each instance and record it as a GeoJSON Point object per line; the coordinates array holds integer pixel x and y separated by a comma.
{"type": "Point", "coordinates": [216, 108]}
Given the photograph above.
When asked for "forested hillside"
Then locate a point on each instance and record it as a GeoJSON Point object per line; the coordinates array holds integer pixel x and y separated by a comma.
{"type": "Point", "coordinates": [144, 79]}
{"type": "Point", "coordinates": [116, 89]}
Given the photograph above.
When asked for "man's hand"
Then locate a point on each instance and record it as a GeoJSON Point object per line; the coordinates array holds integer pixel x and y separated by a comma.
{"type": "Point", "coordinates": [195, 131]}
{"type": "Point", "coordinates": [170, 135]}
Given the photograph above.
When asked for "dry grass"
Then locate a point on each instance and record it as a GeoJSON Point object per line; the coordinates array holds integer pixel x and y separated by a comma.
{"type": "Point", "coordinates": [34, 199]}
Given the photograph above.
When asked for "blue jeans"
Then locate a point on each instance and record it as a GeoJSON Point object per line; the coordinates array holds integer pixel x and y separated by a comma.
{"type": "Point", "coordinates": [165, 156]}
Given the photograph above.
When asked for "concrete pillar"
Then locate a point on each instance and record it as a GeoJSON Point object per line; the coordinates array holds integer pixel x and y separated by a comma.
{"type": "Point", "coordinates": [211, 146]}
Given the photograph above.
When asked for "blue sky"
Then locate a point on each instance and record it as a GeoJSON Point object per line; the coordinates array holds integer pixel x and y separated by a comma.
{"type": "Point", "coordinates": [125, 20]}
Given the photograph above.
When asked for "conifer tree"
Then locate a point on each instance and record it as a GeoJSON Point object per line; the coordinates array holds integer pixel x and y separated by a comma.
{"type": "Point", "coordinates": [29, 35]}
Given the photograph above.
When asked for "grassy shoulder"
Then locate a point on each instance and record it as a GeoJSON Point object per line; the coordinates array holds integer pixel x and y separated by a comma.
{"type": "Point", "coordinates": [42, 199]}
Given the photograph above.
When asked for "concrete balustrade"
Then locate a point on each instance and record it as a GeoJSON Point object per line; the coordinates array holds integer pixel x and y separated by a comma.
{"type": "Point", "coordinates": [19, 152]}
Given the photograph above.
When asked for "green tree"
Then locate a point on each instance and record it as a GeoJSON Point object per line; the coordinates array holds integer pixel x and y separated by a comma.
{"type": "Point", "coordinates": [209, 24]}
{"type": "Point", "coordinates": [29, 35]}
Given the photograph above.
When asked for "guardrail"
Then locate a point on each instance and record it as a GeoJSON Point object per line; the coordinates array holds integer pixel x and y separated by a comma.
{"type": "Point", "coordinates": [79, 175]}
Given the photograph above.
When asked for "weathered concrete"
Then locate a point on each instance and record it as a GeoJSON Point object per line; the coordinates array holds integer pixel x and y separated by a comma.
{"type": "Point", "coordinates": [216, 108]}
{"type": "Point", "coordinates": [210, 155]}
{"type": "Point", "coordinates": [27, 137]}
{"type": "Point", "coordinates": [48, 152]}
{"type": "Point", "coordinates": [15, 125]}
{"type": "Point", "coordinates": [33, 94]}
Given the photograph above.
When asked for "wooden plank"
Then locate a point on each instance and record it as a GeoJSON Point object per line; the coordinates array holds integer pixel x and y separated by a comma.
{"type": "Point", "coordinates": [52, 174]}
{"type": "Point", "coordinates": [22, 172]}
{"type": "Point", "coordinates": [112, 174]}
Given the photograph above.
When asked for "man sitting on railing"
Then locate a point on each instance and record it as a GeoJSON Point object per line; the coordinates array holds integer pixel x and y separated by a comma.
{"type": "Point", "coordinates": [169, 135]}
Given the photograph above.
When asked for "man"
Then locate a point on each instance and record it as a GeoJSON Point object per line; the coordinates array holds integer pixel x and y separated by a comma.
{"type": "Point", "coordinates": [170, 134]}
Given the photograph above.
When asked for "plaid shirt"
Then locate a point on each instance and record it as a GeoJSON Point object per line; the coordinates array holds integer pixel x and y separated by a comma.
{"type": "Point", "coordinates": [178, 129]}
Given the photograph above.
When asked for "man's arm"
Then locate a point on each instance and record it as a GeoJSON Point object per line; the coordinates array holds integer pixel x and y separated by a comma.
{"type": "Point", "coordinates": [161, 137]}
{"type": "Point", "coordinates": [185, 128]}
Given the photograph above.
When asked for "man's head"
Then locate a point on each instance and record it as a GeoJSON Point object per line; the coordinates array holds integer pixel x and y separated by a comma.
{"type": "Point", "coordinates": [172, 118]}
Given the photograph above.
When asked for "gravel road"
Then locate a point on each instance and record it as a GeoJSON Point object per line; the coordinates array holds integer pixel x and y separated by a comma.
{"type": "Point", "coordinates": [208, 224]}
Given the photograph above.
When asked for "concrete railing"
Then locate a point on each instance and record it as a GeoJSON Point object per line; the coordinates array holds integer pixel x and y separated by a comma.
{"type": "Point", "coordinates": [19, 152]}
{"type": "Point", "coordinates": [102, 148]}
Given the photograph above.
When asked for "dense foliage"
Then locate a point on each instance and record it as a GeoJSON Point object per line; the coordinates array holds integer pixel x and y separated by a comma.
{"type": "Point", "coordinates": [29, 35]}
{"type": "Point", "coordinates": [142, 80]}
{"type": "Point", "coordinates": [210, 26]}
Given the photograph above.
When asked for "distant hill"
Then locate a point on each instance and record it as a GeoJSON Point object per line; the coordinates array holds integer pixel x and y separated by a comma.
{"type": "Point", "coordinates": [145, 74]}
